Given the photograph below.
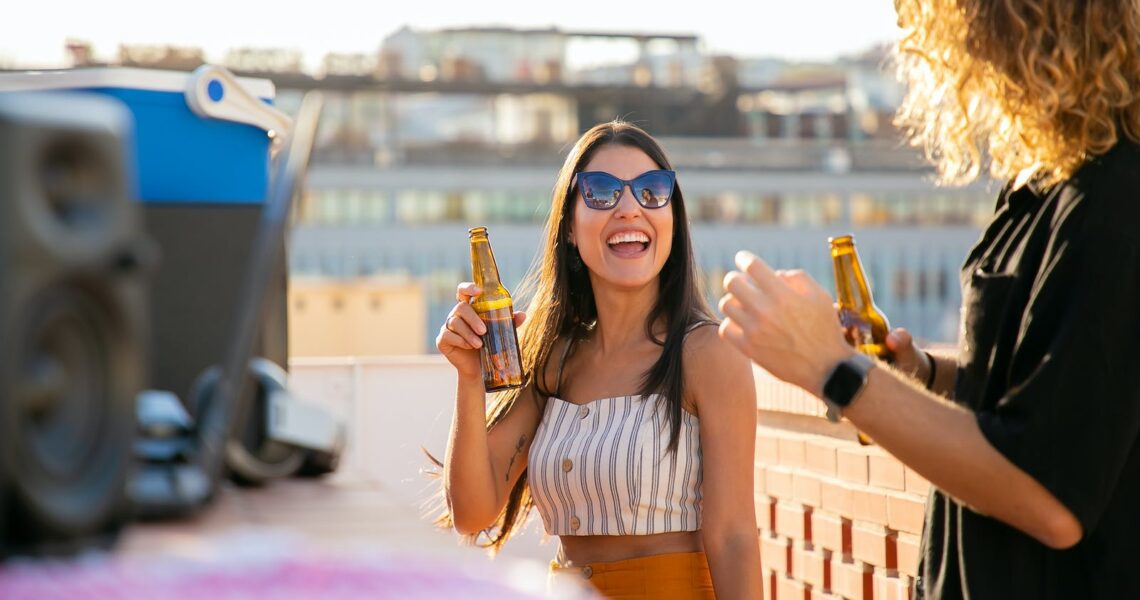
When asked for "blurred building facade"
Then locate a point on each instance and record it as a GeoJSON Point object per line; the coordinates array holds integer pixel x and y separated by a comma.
{"type": "Point", "coordinates": [438, 131]}
{"type": "Point", "coordinates": [356, 317]}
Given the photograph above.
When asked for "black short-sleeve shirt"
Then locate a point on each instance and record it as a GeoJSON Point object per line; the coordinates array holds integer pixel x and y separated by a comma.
{"type": "Point", "coordinates": [1049, 360]}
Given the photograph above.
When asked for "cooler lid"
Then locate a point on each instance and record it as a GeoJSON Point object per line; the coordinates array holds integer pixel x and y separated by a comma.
{"type": "Point", "coordinates": [117, 77]}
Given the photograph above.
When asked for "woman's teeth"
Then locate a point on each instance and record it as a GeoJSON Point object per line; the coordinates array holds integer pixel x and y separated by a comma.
{"type": "Point", "coordinates": [627, 237]}
{"type": "Point", "coordinates": [628, 242]}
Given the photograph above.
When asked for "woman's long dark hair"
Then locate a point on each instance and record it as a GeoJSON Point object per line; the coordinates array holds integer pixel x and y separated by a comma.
{"type": "Point", "coordinates": [561, 304]}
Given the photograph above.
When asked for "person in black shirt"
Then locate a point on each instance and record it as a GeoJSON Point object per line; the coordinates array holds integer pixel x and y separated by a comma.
{"type": "Point", "coordinates": [1030, 432]}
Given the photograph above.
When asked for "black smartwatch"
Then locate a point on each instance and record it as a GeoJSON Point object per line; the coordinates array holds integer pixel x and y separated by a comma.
{"type": "Point", "coordinates": [844, 384]}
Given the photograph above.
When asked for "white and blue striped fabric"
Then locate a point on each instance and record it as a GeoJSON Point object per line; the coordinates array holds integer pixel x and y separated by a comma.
{"type": "Point", "coordinates": [603, 468]}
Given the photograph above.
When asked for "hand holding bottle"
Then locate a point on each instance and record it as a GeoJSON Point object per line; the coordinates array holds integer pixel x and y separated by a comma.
{"type": "Point", "coordinates": [459, 338]}
{"type": "Point", "coordinates": [908, 358]}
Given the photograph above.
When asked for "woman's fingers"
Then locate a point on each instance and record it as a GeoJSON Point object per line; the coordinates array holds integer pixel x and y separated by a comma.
{"type": "Point", "coordinates": [449, 339]}
{"type": "Point", "coordinates": [470, 317]}
{"type": "Point", "coordinates": [465, 322]}
{"type": "Point", "coordinates": [520, 316]}
{"type": "Point", "coordinates": [465, 291]}
{"type": "Point", "coordinates": [461, 325]}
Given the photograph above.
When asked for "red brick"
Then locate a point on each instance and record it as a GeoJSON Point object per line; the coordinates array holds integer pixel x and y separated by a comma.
{"type": "Point", "coordinates": [806, 489]}
{"type": "Point", "coordinates": [837, 498]}
{"type": "Point", "coordinates": [820, 457]}
{"type": "Point", "coordinates": [886, 471]}
{"type": "Point", "coordinates": [908, 547]}
{"type": "Point", "coordinates": [770, 585]}
{"type": "Point", "coordinates": [790, 589]}
{"type": "Point", "coordinates": [767, 450]}
{"type": "Point", "coordinates": [831, 532]}
{"type": "Point", "coordinates": [905, 513]}
{"type": "Point", "coordinates": [779, 483]}
{"type": "Point", "coordinates": [812, 566]}
{"type": "Point", "coordinates": [775, 553]}
{"type": "Point", "coordinates": [765, 512]}
{"type": "Point", "coordinates": [791, 452]}
{"type": "Point", "coordinates": [889, 586]}
{"type": "Point", "coordinates": [915, 483]}
{"type": "Point", "coordinates": [852, 466]}
{"type": "Point", "coordinates": [794, 521]}
{"type": "Point", "coordinates": [851, 579]}
{"type": "Point", "coordinates": [870, 505]}
{"type": "Point", "coordinates": [874, 545]}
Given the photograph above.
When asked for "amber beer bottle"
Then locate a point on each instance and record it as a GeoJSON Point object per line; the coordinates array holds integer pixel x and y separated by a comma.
{"type": "Point", "coordinates": [499, 354]}
{"type": "Point", "coordinates": [864, 325]}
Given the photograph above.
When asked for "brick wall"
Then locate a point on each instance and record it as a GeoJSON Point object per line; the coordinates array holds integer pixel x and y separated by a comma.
{"type": "Point", "coordinates": [837, 519]}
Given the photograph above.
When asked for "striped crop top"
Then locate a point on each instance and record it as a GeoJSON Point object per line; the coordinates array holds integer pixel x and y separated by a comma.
{"type": "Point", "coordinates": [604, 468]}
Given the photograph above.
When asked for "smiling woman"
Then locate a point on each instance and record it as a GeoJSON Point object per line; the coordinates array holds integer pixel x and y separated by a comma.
{"type": "Point", "coordinates": [634, 431]}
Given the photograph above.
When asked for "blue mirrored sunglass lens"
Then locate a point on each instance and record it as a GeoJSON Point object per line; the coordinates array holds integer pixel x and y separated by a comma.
{"type": "Point", "coordinates": [600, 188]}
{"type": "Point", "coordinates": [653, 190]}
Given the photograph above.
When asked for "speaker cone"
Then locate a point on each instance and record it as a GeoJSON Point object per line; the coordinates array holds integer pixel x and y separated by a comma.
{"type": "Point", "coordinates": [77, 184]}
{"type": "Point", "coordinates": [68, 421]}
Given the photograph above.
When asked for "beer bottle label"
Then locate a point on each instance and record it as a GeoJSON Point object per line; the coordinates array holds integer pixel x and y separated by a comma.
{"type": "Point", "coordinates": [500, 351]}
{"type": "Point", "coordinates": [486, 306]}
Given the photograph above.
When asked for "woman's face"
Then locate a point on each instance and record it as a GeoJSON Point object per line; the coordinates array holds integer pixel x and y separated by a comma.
{"type": "Point", "coordinates": [625, 246]}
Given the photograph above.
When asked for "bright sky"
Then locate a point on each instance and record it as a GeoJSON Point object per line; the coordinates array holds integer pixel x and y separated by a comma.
{"type": "Point", "coordinates": [32, 32]}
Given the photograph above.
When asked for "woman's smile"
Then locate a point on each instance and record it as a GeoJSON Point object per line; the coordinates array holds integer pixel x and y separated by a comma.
{"type": "Point", "coordinates": [629, 243]}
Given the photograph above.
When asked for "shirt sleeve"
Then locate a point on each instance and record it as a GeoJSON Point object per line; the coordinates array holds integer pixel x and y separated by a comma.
{"type": "Point", "coordinates": [1071, 416]}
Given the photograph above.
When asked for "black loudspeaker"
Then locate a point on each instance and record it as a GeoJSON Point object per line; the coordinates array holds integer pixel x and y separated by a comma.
{"type": "Point", "coordinates": [72, 320]}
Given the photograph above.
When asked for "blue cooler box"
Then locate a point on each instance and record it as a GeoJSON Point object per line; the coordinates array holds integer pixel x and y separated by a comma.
{"type": "Point", "coordinates": [202, 165]}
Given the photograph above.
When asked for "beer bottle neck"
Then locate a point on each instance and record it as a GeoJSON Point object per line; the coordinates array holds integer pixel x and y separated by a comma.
{"type": "Point", "coordinates": [483, 268]}
{"type": "Point", "coordinates": [851, 288]}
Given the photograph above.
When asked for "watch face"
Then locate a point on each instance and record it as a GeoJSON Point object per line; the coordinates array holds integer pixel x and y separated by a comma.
{"type": "Point", "coordinates": [846, 380]}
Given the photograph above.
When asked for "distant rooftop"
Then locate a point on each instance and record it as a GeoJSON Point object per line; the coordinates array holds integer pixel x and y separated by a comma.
{"type": "Point", "coordinates": [637, 35]}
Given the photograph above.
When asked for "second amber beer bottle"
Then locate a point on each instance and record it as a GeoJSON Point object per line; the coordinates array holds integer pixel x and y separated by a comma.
{"type": "Point", "coordinates": [499, 354]}
{"type": "Point", "coordinates": [864, 325]}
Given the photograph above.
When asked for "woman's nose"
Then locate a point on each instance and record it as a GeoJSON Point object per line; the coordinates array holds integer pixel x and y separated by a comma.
{"type": "Point", "coordinates": [627, 202]}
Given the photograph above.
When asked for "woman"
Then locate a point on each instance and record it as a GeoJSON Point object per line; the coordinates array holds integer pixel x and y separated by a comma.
{"type": "Point", "coordinates": [1035, 458]}
{"type": "Point", "coordinates": [634, 432]}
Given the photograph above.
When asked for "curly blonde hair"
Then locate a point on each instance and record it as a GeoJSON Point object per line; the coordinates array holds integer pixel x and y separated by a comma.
{"type": "Point", "coordinates": [1016, 85]}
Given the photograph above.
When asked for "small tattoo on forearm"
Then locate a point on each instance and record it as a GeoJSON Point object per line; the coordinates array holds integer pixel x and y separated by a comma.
{"type": "Point", "coordinates": [518, 451]}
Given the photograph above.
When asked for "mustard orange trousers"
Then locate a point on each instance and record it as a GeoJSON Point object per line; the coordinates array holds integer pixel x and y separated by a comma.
{"type": "Point", "coordinates": [678, 576]}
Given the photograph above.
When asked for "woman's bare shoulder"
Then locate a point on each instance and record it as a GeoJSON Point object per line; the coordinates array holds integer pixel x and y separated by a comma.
{"type": "Point", "coordinates": [703, 345]}
{"type": "Point", "coordinates": [714, 367]}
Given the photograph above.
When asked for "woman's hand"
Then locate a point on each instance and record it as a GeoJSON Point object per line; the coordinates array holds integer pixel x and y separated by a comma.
{"type": "Point", "coordinates": [459, 336]}
{"type": "Point", "coordinates": [784, 321]}
{"type": "Point", "coordinates": [908, 358]}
